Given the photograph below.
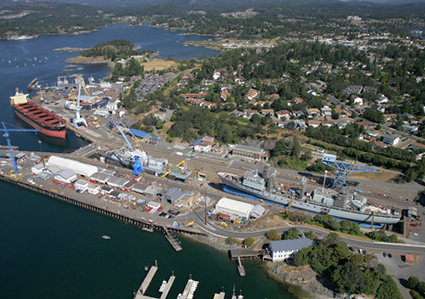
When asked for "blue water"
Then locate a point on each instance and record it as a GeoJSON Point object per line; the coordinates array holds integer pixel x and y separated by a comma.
{"type": "Point", "coordinates": [23, 60]}
{"type": "Point", "coordinates": [50, 249]}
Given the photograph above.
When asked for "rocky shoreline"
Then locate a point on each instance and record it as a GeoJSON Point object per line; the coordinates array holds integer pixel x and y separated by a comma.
{"type": "Point", "coordinates": [303, 281]}
{"type": "Point", "coordinates": [90, 60]}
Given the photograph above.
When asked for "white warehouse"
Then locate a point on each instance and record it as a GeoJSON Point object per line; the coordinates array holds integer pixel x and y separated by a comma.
{"type": "Point", "coordinates": [233, 207]}
{"type": "Point", "coordinates": [80, 168]}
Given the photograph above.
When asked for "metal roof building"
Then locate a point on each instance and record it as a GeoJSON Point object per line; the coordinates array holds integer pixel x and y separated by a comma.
{"type": "Point", "coordinates": [284, 249]}
{"type": "Point", "coordinates": [66, 176]}
{"type": "Point", "coordinates": [121, 183]}
{"type": "Point", "coordinates": [140, 134]}
{"type": "Point", "coordinates": [233, 207]}
{"type": "Point", "coordinates": [101, 177]}
{"type": "Point", "coordinates": [77, 167]}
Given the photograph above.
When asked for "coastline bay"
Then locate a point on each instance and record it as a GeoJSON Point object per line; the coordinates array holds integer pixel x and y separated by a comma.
{"type": "Point", "coordinates": [52, 249]}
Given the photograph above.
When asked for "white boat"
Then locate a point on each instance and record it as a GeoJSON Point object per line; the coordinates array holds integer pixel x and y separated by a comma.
{"type": "Point", "coordinates": [179, 296]}
{"type": "Point", "coordinates": [106, 237]}
{"type": "Point", "coordinates": [162, 287]}
{"type": "Point", "coordinates": [146, 268]}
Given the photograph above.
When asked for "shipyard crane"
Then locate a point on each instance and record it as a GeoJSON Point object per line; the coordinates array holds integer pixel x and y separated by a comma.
{"type": "Point", "coordinates": [7, 136]}
{"type": "Point", "coordinates": [343, 169]}
{"type": "Point", "coordinates": [78, 119]}
{"type": "Point", "coordinates": [137, 168]}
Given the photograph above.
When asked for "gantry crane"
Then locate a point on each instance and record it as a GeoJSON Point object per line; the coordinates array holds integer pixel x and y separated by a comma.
{"type": "Point", "coordinates": [78, 118]}
{"type": "Point", "coordinates": [343, 169]}
{"type": "Point", "coordinates": [7, 136]}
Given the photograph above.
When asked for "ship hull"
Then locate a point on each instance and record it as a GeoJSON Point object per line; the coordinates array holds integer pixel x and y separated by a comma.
{"type": "Point", "coordinates": [308, 206]}
{"type": "Point", "coordinates": [58, 132]}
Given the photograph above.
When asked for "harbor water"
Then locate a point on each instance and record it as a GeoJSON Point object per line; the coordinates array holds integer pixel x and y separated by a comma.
{"type": "Point", "coordinates": [51, 249]}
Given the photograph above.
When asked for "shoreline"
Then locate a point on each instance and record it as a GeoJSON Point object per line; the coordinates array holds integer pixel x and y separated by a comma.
{"type": "Point", "coordinates": [80, 60]}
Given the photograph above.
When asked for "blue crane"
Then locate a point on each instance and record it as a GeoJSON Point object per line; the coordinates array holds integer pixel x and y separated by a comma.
{"type": "Point", "coordinates": [137, 167]}
{"type": "Point", "coordinates": [7, 136]}
{"type": "Point", "coordinates": [343, 169]}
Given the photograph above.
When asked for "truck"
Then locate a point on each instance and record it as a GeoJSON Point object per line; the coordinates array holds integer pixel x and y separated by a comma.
{"type": "Point", "coordinates": [179, 153]}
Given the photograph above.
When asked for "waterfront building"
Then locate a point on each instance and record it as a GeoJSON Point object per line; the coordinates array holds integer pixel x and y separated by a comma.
{"type": "Point", "coordinates": [233, 207]}
{"type": "Point", "coordinates": [285, 249]}
{"type": "Point", "coordinates": [250, 152]}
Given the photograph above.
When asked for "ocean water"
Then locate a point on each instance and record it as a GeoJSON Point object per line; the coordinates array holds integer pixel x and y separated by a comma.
{"type": "Point", "coordinates": [50, 249]}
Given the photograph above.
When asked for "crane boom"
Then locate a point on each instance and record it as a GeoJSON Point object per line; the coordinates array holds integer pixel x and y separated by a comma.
{"type": "Point", "coordinates": [7, 136]}
{"type": "Point", "coordinates": [344, 168]}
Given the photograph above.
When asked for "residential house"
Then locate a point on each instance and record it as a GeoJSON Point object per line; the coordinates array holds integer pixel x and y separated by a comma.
{"type": "Point", "coordinates": [313, 123]}
{"type": "Point", "coordinates": [298, 100]}
{"type": "Point", "coordinates": [364, 124]}
{"type": "Point", "coordinates": [281, 124]}
{"type": "Point", "coordinates": [342, 112]}
{"type": "Point", "coordinates": [224, 95]}
{"type": "Point", "coordinates": [273, 97]}
{"type": "Point", "coordinates": [252, 94]}
{"type": "Point", "coordinates": [409, 128]}
{"type": "Point", "coordinates": [299, 123]}
{"type": "Point", "coordinates": [267, 112]}
{"type": "Point", "coordinates": [357, 100]}
{"type": "Point", "coordinates": [238, 113]}
{"type": "Point", "coordinates": [390, 117]}
{"type": "Point", "coordinates": [353, 89]}
{"type": "Point", "coordinates": [327, 123]}
{"type": "Point", "coordinates": [207, 82]}
{"type": "Point", "coordinates": [326, 112]}
{"type": "Point", "coordinates": [392, 139]}
{"type": "Point", "coordinates": [369, 89]}
{"type": "Point", "coordinates": [417, 145]}
{"type": "Point", "coordinates": [240, 81]}
{"type": "Point", "coordinates": [382, 99]}
{"type": "Point", "coordinates": [298, 114]}
{"type": "Point", "coordinates": [285, 249]}
{"type": "Point", "coordinates": [312, 112]}
{"type": "Point", "coordinates": [283, 113]}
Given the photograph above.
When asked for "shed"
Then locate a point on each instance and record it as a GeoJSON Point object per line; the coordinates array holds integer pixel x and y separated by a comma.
{"type": "Point", "coordinates": [140, 202]}
{"type": "Point", "coordinates": [140, 134]}
{"type": "Point", "coordinates": [139, 188]}
{"type": "Point", "coordinates": [114, 194]}
{"type": "Point", "coordinates": [93, 189]}
{"type": "Point", "coordinates": [154, 205]}
{"type": "Point", "coordinates": [230, 206]}
{"type": "Point", "coordinates": [408, 258]}
{"type": "Point", "coordinates": [81, 185]}
{"type": "Point", "coordinates": [77, 167]}
{"type": "Point", "coordinates": [196, 142]}
{"type": "Point", "coordinates": [66, 176]}
{"type": "Point", "coordinates": [106, 190]}
{"type": "Point", "coordinates": [101, 177]}
{"type": "Point", "coordinates": [152, 191]}
{"type": "Point", "coordinates": [257, 211]}
{"type": "Point", "coordinates": [36, 169]}
{"type": "Point", "coordinates": [172, 195]}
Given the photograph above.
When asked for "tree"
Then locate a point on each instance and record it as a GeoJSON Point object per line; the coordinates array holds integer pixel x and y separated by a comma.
{"type": "Point", "coordinates": [354, 114]}
{"type": "Point", "coordinates": [413, 282]}
{"type": "Point", "coordinates": [248, 242]}
{"type": "Point", "coordinates": [311, 236]}
{"type": "Point", "coordinates": [273, 235]}
{"type": "Point", "coordinates": [159, 124]}
{"type": "Point", "coordinates": [297, 148]}
{"type": "Point", "coordinates": [389, 290]}
{"type": "Point", "coordinates": [291, 234]}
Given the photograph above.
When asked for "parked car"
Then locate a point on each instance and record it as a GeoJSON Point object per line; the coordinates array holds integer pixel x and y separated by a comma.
{"type": "Point", "coordinates": [385, 254]}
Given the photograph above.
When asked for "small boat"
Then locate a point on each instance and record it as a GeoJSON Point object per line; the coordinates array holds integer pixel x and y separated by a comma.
{"type": "Point", "coordinates": [162, 287]}
{"type": "Point", "coordinates": [146, 268]}
{"type": "Point", "coordinates": [179, 296]}
{"type": "Point", "coordinates": [106, 237]}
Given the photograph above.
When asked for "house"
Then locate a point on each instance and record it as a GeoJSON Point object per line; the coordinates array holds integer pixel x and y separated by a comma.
{"type": "Point", "coordinates": [283, 113]}
{"type": "Point", "coordinates": [281, 124]}
{"type": "Point", "coordinates": [369, 89]}
{"type": "Point", "coordinates": [251, 94]}
{"type": "Point", "coordinates": [273, 97]}
{"type": "Point", "coordinates": [312, 112]}
{"type": "Point", "coordinates": [298, 100]}
{"type": "Point", "coordinates": [299, 123]}
{"type": "Point", "coordinates": [326, 112]}
{"type": "Point", "coordinates": [364, 124]}
{"type": "Point", "coordinates": [298, 114]}
{"type": "Point", "coordinates": [313, 123]}
{"type": "Point", "coordinates": [417, 145]}
{"type": "Point", "coordinates": [390, 117]}
{"type": "Point", "coordinates": [382, 99]}
{"type": "Point", "coordinates": [357, 100]}
{"type": "Point", "coordinates": [224, 95]}
{"type": "Point", "coordinates": [267, 112]}
{"type": "Point", "coordinates": [285, 249]}
{"type": "Point", "coordinates": [353, 89]}
{"type": "Point", "coordinates": [238, 113]}
{"type": "Point", "coordinates": [392, 139]}
{"type": "Point", "coordinates": [327, 123]}
{"type": "Point", "coordinates": [342, 112]}
{"type": "Point", "coordinates": [411, 129]}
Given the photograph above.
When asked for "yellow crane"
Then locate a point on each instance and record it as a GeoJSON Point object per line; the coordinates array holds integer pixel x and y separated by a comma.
{"type": "Point", "coordinates": [81, 80]}
{"type": "Point", "coordinates": [292, 201]}
{"type": "Point", "coordinates": [168, 172]}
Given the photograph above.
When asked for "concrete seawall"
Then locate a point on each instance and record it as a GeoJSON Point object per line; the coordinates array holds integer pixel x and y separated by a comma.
{"type": "Point", "coordinates": [73, 201]}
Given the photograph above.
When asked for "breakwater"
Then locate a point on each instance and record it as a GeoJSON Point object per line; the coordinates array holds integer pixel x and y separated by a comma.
{"type": "Point", "coordinates": [91, 207]}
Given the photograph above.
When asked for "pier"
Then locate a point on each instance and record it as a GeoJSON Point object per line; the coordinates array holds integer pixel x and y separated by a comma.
{"type": "Point", "coordinates": [241, 268]}
{"type": "Point", "coordinates": [190, 289]}
{"type": "Point", "coordinates": [243, 253]}
{"type": "Point", "coordinates": [172, 239]}
{"type": "Point", "coordinates": [147, 281]}
{"type": "Point", "coordinates": [168, 287]}
{"type": "Point", "coordinates": [219, 296]}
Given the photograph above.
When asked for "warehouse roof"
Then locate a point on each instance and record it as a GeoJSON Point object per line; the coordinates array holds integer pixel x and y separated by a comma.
{"type": "Point", "coordinates": [140, 134]}
{"type": "Point", "coordinates": [77, 167]}
{"type": "Point", "coordinates": [227, 203]}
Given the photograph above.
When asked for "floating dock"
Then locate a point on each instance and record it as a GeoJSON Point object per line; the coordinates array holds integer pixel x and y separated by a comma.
{"type": "Point", "coordinates": [146, 282]}
{"type": "Point", "coordinates": [190, 289]}
{"type": "Point", "coordinates": [167, 287]}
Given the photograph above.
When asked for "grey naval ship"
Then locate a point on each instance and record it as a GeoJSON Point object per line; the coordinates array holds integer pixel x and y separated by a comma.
{"type": "Point", "coordinates": [153, 166]}
{"type": "Point", "coordinates": [321, 201]}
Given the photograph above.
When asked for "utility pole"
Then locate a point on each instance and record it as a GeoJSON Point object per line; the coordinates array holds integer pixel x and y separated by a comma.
{"type": "Point", "coordinates": [42, 156]}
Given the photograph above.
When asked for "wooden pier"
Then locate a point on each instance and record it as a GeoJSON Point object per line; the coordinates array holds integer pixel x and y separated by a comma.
{"type": "Point", "coordinates": [167, 287]}
{"type": "Point", "coordinates": [243, 253]}
{"type": "Point", "coordinates": [172, 239]}
{"type": "Point", "coordinates": [190, 289]}
{"type": "Point", "coordinates": [241, 269]}
{"type": "Point", "coordinates": [146, 282]}
{"type": "Point", "coordinates": [219, 296]}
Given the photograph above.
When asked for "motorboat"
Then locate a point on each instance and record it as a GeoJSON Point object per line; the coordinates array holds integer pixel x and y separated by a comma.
{"type": "Point", "coordinates": [162, 287]}
{"type": "Point", "coordinates": [179, 296]}
{"type": "Point", "coordinates": [106, 237]}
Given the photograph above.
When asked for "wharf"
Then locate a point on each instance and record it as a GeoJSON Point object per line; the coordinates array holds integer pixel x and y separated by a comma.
{"type": "Point", "coordinates": [241, 268]}
{"type": "Point", "coordinates": [190, 289]}
{"type": "Point", "coordinates": [172, 239]}
{"type": "Point", "coordinates": [243, 253]}
{"type": "Point", "coordinates": [167, 287]}
{"type": "Point", "coordinates": [219, 296]}
{"type": "Point", "coordinates": [147, 281]}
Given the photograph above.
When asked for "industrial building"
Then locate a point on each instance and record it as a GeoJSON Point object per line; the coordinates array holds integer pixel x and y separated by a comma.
{"type": "Point", "coordinates": [233, 207]}
{"type": "Point", "coordinates": [80, 168]}
{"type": "Point", "coordinates": [249, 152]}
